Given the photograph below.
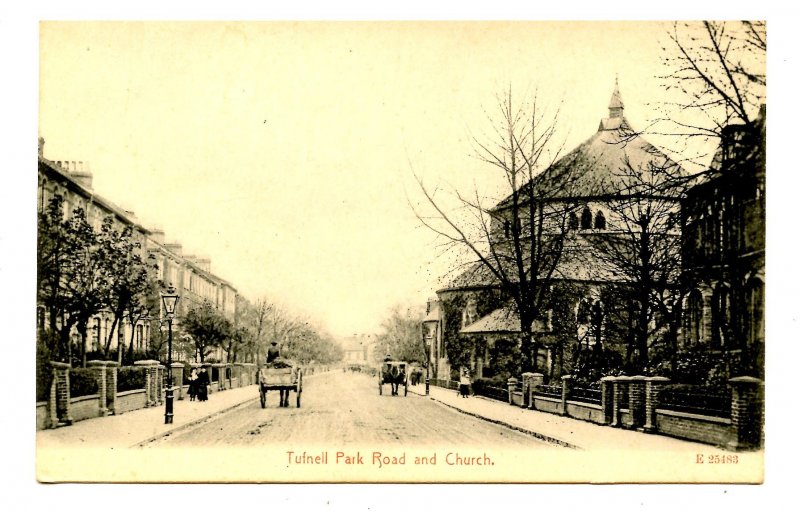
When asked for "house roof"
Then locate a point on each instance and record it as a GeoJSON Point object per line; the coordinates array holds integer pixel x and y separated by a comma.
{"type": "Point", "coordinates": [502, 320]}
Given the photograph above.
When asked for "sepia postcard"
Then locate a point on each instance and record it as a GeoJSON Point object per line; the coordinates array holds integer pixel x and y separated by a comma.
{"type": "Point", "coordinates": [401, 252]}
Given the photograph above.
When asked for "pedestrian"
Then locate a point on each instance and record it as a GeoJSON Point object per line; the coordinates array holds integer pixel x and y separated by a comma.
{"type": "Point", "coordinates": [203, 381]}
{"type": "Point", "coordinates": [464, 383]}
{"type": "Point", "coordinates": [193, 385]}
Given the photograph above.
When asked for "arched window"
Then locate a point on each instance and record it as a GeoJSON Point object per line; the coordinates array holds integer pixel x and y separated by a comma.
{"type": "Point", "coordinates": [597, 322]}
{"type": "Point", "coordinates": [754, 311]}
{"type": "Point", "coordinates": [586, 218]}
{"type": "Point", "coordinates": [721, 316]}
{"type": "Point", "coordinates": [600, 220]}
{"type": "Point", "coordinates": [573, 221]}
{"type": "Point", "coordinates": [693, 318]}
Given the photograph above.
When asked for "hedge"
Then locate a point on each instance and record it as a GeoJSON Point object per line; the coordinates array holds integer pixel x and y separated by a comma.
{"type": "Point", "coordinates": [82, 382]}
{"type": "Point", "coordinates": [131, 378]}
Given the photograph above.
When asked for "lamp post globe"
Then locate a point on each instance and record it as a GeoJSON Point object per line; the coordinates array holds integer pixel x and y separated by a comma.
{"type": "Point", "coordinates": [169, 299]}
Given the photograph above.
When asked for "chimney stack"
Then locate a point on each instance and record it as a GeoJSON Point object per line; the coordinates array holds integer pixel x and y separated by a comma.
{"type": "Point", "coordinates": [157, 235]}
{"type": "Point", "coordinates": [175, 248]}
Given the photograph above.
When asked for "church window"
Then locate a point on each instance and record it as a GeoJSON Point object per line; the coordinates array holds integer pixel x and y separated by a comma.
{"type": "Point", "coordinates": [586, 218]}
{"type": "Point", "coordinates": [600, 220]}
{"type": "Point", "coordinates": [573, 221]}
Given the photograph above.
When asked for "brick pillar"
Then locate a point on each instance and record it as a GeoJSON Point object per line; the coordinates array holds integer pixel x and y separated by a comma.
{"type": "Point", "coordinates": [536, 380]}
{"type": "Point", "coordinates": [59, 406]}
{"type": "Point", "coordinates": [177, 378]}
{"type": "Point", "coordinates": [636, 401]}
{"type": "Point", "coordinates": [747, 413]}
{"type": "Point", "coordinates": [526, 389]}
{"type": "Point", "coordinates": [149, 380]}
{"type": "Point", "coordinates": [99, 368]}
{"type": "Point", "coordinates": [607, 398]}
{"type": "Point", "coordinates": [111, 386]}
{"type": "Point", "coordinates": [566, 387]}
{"type": "Point", "coordinates": [652, 387]}
{"type": "Point", "coordinates": [620, 386]}
{"type": "Point", "coordinates": [512, 386]}
{"type": "Point", "coordinates": [220, 376]}
{"type": "Point", "coordinates": [160, 380]}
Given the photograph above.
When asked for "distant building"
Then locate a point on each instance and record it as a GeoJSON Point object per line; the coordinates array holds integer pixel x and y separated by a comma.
{"type": "Point", "coordinates": [359, 348]}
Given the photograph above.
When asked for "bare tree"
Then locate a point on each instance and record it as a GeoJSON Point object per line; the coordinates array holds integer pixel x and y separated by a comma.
{"type": "Point", "coordinates": [519, 242]}
{"type": "Point", "coordinates": [715, 77]}
{"type": "Point", "coordinates": [639, 252]}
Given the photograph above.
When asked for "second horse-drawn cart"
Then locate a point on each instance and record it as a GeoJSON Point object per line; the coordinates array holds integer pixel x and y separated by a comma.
{"type": "Point", "coordinates": [282, 378]}
{"type": "Point", "coordinates": [395, 374]}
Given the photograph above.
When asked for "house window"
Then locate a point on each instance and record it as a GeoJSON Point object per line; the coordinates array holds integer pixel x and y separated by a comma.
{"type": "Point", "coordinates": [586, 218]}
{"type": "Point", "coordinates": [600, 220]}
{"type": "Point", "coordinates": [506, 228]}
{"type": "Point", "coordinates": [96, 336]}
{"type": "Point", "coordinates": [721, 316]}
{"type": "Point", "coordinates": [754, 313]}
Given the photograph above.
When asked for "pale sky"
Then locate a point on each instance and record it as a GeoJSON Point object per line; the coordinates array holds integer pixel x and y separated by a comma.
{"type": "Point", "coordinates": [284, 151]}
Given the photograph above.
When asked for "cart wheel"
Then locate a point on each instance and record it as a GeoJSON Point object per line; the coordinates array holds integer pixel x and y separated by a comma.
{"type": "Point", "coordinates": [263, 395]}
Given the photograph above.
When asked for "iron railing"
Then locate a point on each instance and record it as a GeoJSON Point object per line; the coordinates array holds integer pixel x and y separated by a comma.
{"type": "Point", "coordinates": [491, 392]}
{"type": "Point", "coordinates": [445, 384]}
{"type": "Point", "coordinates": [548, 390]}
{"type": "Point", "coordinates": [697, 399]}
{"type": "Point", "coordinates": [586, 395]}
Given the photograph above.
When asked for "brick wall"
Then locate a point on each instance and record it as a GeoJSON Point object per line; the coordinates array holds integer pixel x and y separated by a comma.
{"type": "Point", "coordinates": [84, 407]}
{"type": "Point", "coordinates": [547, 404]}
{"type": "Point", "coordinates": [131, 400]}
{"type": "Point", "coordinates": [700, 428]}
{"type": "Point", "coordinates": [586, 411]}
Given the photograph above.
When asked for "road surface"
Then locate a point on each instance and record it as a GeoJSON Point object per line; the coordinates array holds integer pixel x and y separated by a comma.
{"type": "Point", "coordinates": [345, 409]}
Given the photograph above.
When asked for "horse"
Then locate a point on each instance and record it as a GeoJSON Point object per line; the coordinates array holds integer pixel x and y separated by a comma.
{"type": "Point", "coordinates": [394, 375]}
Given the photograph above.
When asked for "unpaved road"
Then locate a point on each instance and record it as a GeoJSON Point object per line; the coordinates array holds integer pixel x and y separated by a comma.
{"type": "Point", "coordinates": [346, 409]}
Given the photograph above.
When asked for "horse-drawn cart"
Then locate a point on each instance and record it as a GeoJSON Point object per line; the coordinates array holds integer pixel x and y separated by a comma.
{"type": "Point", "coordinates": [395, 374]}
{"type": "Point", "coordinates": [284, 379]}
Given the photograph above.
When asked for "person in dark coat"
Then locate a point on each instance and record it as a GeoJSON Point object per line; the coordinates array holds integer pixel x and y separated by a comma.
{"type": "Point", "coordinates": [193, 385]}
{"type": "Point", "coordinates": [273, 352]}
{"type": "Point", "coordinates": [203, 381]}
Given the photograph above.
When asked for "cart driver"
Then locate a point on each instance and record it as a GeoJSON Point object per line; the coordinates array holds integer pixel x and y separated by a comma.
{"type": "Point", "coordinates": [273, 352]}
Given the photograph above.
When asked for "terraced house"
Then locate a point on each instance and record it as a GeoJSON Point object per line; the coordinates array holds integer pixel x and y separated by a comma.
{"type": "Point", "coordinates": [191, 275]}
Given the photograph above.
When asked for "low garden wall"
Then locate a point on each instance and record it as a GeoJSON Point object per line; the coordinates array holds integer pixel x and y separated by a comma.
{"type": "Point", "coordinates": [104, 389]}
{"type": "Point", "coordinates": [730, 417]}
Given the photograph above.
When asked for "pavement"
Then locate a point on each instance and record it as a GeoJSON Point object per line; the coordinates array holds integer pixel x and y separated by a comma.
{"type": "Point", "coordinates": [137, 427]}
{"type": "Point", "coordinates": [564, 431]}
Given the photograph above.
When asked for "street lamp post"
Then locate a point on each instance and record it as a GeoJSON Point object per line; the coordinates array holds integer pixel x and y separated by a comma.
{"type": "Point", "coordinates": [170, 300]}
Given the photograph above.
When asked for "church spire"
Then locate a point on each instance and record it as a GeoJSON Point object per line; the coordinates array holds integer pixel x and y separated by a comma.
{"type": "Point", "coordinates": [615, 106]}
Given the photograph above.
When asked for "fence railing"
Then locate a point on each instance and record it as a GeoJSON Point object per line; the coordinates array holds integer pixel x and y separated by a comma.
{"type": "Point", "coordinates": [491, 392]}
{"type": "Point", "coordinates": [586, 395]}
{"type": "Point", "coordinates": [548, 390]}
{"type": "Point", "coordinates": [696, 399]}
{"type": "Point", "coordinates": [446, 384]}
